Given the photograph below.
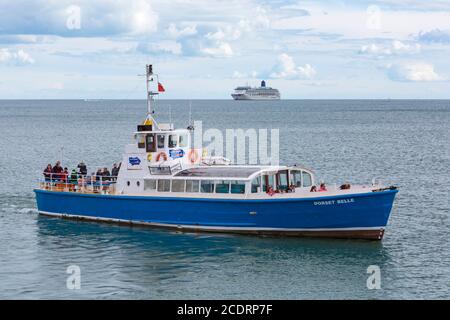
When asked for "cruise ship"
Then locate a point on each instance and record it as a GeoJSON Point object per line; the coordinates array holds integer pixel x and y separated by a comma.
{"type": "Point", "coordinates": [256, 93]}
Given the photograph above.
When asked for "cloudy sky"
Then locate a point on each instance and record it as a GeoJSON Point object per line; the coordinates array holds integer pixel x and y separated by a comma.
{"type": "Point", "coordinates": [204, 48]}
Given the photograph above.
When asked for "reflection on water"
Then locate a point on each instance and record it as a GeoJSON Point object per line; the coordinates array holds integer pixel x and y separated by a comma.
{"type": "Point", "coordinates": [140, 262]}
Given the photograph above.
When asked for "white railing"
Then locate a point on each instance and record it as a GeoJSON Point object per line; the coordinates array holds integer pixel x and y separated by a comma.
{"type": "Point", "coordinates": [78, 183]}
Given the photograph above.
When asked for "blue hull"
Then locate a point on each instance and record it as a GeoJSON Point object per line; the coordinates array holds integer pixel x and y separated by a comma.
{"type": "Point", "coordinates": [347, 216]}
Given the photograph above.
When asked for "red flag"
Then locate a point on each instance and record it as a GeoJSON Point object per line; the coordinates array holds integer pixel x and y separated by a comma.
{"type": "Point", "coordinates": [160, 87]}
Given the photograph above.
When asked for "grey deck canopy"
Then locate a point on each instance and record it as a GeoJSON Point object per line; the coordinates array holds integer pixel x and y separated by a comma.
{"type": "Point", "coordinates": [219, 172]}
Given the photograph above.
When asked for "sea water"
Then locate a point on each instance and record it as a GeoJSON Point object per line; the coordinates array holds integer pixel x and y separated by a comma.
{"type": "Point", "coordinates": [401, 142]}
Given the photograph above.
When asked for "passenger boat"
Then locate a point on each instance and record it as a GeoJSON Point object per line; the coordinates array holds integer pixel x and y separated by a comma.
{"type": "Point", "coordinates": [164, 182]}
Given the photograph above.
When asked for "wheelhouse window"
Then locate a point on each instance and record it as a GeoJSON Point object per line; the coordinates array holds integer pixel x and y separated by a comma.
{"type": "Point", "coordinates": [307, 180]}
{"type": "Point", "coordinates": [296, 178]}
{"type": "Point", "coordinates": [150, 184]}
{"type": "Point", "coordinates": [238, 187]}
{"type": "Point", "coordinates": [141, 141]}
{"type": "Point", "coordinates": [161, 141]}
{"type": "Point", "coordinates": [183, 141]}
{"type": "Point", "coordinates": [207, 186]}
{"type": "Point", "coordinates": [173, 140]}
{"type": "Point", "coordinates": [178, 185]}
{"type": "Point", "coordinates": [192, 185]}
{"type": "Point", "coordinates": [150, 143]}
{"type": "Point", "coordinates": [256, 185]}
{"type": "Point", "coordinates": [222, 186]}
{"type": "Point", "coordinates": [164, 185]}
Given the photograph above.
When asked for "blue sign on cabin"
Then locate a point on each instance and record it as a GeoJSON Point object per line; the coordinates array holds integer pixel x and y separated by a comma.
{"type": "Point", "coordinates": [134, 161]}
{"type": "Point", "coordinates": [174, 154]}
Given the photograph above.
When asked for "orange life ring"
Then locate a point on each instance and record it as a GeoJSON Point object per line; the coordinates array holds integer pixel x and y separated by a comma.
{"type": "Point", "coordinates": [161, 154]}
{"type": "Point", "coordinates": [193, 156]}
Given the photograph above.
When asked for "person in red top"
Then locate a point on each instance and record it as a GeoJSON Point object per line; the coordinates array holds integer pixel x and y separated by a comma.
{"type": "Point", "coordinates": [323, 187]}
{"type": "Point", "coordinates": [64, 175]}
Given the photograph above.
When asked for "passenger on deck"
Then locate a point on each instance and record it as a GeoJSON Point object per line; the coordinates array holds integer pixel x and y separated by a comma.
{"type": "Point", "coordinates": [73, 176]}
{"type": "Point", "coordinates": [82, 169]}
{"type": "Point", "coordinates": [65, 175]}
{"type": "Point", "coordinates": [323, 187]}
{"type": "Point", "coordinates": [48, 172]}
{"type": "Point", "coordinates": [106, 174]}
{"type": "Point", "coordinates": [57, 170]}
{"type": "Point", "coordinates": [98, 175]}
{"type": "Point", "coordinates": [73, 180]}
{"type": "Point", "coordinates": [313, 189]}
{"type": "Point", "coordinates": [291, 188]}
{"type": "Point", "coordinates": [114, 171]}
{"type": "Point", "coordinates": [97, 180]}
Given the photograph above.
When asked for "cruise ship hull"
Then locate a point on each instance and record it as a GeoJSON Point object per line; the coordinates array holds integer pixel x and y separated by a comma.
{"type": "Point", "coordinates": [362, 216]}
{"type": "Point", "coordinates": [248, 97]}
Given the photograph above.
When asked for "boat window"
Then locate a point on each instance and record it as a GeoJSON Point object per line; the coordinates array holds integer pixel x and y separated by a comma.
{"type": "Point", "coordinates": [296, 178]}
{"type": "Point", "coordinates": [222, 186]}
{"type": "Point", "coordinates": [164, 185]}
{"type": "Point", "coordinates": [161, 141]}
{"type": "Point", "coordinates": [160, 170]}
{"type": "Point", "coordinates": [183, 142]}
{"type": "Point", "coordinates": [237, 186]}
{"type": "Point", "coordinates": [192, 185]}
{"type": "Point", "coordinates": [149, 184]}
{"type": "Point", "coordinates": [141, 141]}
{"type": "Point", "coordinates": [256, 185]}
{"type": "Point", "coordinates": [269, 181]}
{"type": "Point", "coordinates": [178, 185]}
{"type": "Point", "coordinates": [150, 143]}
{"type": "Point", "coordinates": [307, 181]}
{"type": "Point", "coordinates": [173, 138]}
{"type": "Point", "coordinates": [282, 180]}
{"type": "Point", "coordinates": [207, 186]}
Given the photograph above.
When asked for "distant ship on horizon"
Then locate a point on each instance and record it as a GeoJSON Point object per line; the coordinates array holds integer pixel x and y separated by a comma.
{"type": "Point", "coordinates": [256, 93]}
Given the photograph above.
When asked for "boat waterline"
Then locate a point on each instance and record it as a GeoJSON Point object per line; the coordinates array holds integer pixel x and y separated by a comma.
{"type": "Point", "coordinates": [361, 216]}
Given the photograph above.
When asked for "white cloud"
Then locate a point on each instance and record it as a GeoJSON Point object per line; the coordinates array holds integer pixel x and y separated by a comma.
{"type": "Point", "coordinates": [351, 21]}
{"type": "Point", "coordinates": [142, 17]}
{"type": "Point", "coordinates": [415, 71]}
{"type": "Point", "coordinates": [222, 50]}
{"type": "Point", "coordinates": [395, 47]}
{"type": "Point", "coordinates": [18, 57]}
{"type": "Point", "coordinates": [164, 46]}
{"type": "Point", "coordinates": [244, 75]}
{"type": "Point", "coordinates": [228, 33]}
{"type": "Point", "coordinates": [96, 18]}
{"type": "Point", "coordinates": [287, 69]}
{"type": "Point", "coordinates": [435, 35]}
{"type": "Point", "coordinates": [174, 32]}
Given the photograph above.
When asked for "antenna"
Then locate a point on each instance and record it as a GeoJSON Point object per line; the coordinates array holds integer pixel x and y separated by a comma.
{"type": "Point", "coordinates": [190, 112]}
{"type": "Point", "coordinates": [190, 126]}
{"type": "Point", "coordinates": [149, 74]}
{"type": "Point", "coordinates": [150, 77]}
